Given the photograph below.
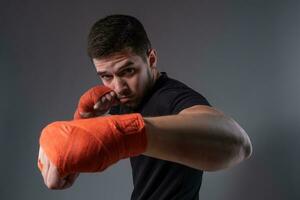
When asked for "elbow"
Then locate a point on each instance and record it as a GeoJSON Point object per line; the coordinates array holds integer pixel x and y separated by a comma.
{"type": "Point", "coordinates": [240, 151]}
{"type": "Point", "coordinates": [241, 147]}
{"type": "Point", "coordinates": [229, 157]}
{"type": "Point", "coordinates": [246, 148]}
{"type": "Point", "coordinates": [231, 147]}
{"type": "Point", "coordinates": [238, 143]}
{"type": "Point", "coordinates": [232, 153]}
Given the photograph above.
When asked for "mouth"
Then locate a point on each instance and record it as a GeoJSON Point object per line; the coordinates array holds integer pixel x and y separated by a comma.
{"type": "Point", "coordinates": [125, 99]}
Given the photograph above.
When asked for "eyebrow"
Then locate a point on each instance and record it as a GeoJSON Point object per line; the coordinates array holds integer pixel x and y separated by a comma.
{"type": "Point", "coordinates": [128, 63]}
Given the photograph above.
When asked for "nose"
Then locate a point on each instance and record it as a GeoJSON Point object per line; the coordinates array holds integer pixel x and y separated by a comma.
{"type": "Point", "coordinates": [120, 87]}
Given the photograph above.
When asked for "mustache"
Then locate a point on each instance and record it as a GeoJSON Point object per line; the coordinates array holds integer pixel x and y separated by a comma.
{"type": "Point", "coordinates": [124, 95]}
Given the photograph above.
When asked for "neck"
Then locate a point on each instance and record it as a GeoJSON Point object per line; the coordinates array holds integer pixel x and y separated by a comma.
{"type": "Point", "coordinates": [155, 76]}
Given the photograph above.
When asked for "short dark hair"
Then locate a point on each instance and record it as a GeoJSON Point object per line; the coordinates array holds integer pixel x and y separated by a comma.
{"type": "Point", "coordinates": [116, 33]}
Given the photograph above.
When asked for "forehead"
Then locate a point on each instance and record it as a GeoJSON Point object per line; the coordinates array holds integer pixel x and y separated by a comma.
{"type": "Point", "coordinates": [116, 60]}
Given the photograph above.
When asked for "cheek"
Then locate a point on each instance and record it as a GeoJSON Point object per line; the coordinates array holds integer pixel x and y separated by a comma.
{"type": "Point", "coordinates": [135, 84]}
{"type": "Point", "coordinates": [138, 83]}
{"type": "Point", "coordinates": [143, 82]}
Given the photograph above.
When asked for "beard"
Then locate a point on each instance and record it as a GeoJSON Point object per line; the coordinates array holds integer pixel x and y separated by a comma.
{"type": "Point", "coordinates": [135, 104]}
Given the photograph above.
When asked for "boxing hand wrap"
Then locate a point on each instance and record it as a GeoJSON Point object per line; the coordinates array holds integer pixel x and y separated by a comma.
{"type": "Point", "coordinates": [91, 145]}
{"type": "Point", "coordinates": [89, 99]}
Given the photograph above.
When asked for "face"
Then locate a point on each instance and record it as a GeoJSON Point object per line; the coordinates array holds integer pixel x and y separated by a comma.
{"type": "Point", "coordinates": [128, 74]}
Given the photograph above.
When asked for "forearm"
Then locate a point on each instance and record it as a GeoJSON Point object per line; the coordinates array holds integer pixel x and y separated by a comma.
{"type": "Point", "coordinates": [207, 141]}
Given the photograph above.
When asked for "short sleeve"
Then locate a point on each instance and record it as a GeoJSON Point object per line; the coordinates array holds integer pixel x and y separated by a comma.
{"type": "Point", "coordinates": [184, 97]}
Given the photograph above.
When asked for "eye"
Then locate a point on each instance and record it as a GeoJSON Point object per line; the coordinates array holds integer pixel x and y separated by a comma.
{"type": "Point", "coordinates": [128, 71]}
{"type": "Point", "coordinates": [106, 77]}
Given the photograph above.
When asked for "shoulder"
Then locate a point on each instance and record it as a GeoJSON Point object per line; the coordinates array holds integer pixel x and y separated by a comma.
{"type": "Point", "coordinates": [174, 95]}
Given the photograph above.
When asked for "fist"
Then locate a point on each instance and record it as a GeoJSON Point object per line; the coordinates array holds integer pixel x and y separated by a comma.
{"type": "Point", "coordinates": [95, 102]}
{"type": "Point", "coordinates": [51, 175]}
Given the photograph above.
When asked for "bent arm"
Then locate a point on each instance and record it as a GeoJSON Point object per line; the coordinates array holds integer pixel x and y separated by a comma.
{"type": "Point", "coordinates": [200, 137]}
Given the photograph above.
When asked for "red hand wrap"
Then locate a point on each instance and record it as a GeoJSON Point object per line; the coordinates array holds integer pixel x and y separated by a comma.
{"type": "Point", "coordinates": [90, 145]}
{"type": "Point", "coordinates": [89, 99]}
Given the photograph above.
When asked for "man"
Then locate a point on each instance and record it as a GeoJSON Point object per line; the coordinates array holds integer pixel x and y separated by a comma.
{"type": "Point", "coordinates": [184, 135]}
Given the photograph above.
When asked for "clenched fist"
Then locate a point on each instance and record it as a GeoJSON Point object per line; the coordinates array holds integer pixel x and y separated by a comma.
{"type": "Point", "coordinates": [95, 102]}
{"type": "Point", "coordinates": [50, 173]}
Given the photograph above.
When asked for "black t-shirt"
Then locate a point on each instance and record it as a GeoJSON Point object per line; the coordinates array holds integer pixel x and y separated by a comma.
{"type": "Point", "coordinates": [156, 179]}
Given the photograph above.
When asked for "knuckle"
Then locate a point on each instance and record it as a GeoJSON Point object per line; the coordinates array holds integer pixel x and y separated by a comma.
{"type": "Point", "coordinates": [51, 186]}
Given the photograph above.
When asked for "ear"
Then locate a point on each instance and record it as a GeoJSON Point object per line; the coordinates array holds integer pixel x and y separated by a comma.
{"type": "Point", "coordinates": [152, 57]}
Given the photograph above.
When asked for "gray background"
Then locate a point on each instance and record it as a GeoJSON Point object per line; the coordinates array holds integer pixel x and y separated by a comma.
{"type": "Point", "coordinates": [243, 56]}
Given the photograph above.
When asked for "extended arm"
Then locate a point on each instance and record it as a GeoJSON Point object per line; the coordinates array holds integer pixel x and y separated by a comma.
{"type": "Point", "coordinates": [200, 137]}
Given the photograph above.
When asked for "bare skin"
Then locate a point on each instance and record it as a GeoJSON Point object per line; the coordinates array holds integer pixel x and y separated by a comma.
{"type": "Point", "coordinates": [200, 136]}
